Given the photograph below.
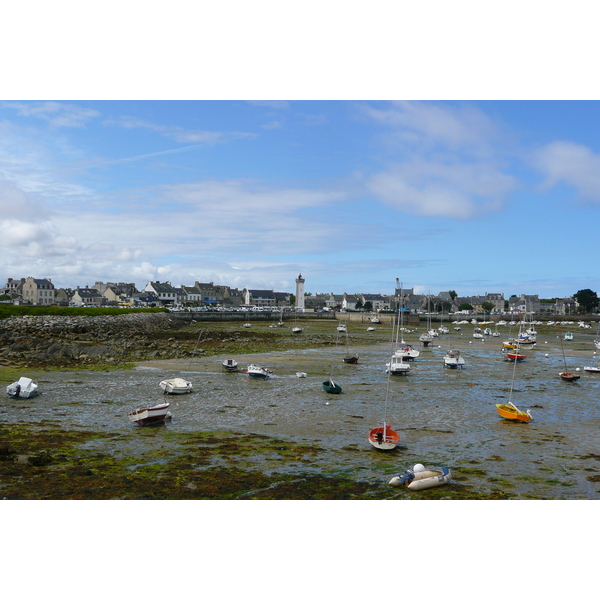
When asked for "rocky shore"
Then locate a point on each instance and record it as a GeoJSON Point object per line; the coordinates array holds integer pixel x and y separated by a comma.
{"type": "Point", "coordinates": [71, 341]}
{"type": "Point", "coordinates": [44, 342]}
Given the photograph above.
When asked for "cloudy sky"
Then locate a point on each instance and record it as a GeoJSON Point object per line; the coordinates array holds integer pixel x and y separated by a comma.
{"type": "Point", "coordinates": [477, 196]}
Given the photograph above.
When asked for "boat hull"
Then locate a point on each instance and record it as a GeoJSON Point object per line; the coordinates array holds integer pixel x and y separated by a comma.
{"type": "Point", "coordinates": [230, 365]}
{"type": "Point", "coordinates": [513, 414]}
{"type": "Point", "coordinates": [331, 387]}
{"type": "Point", "coordinates": [149, 416]}
{"type": "Point", "coordinates": [569, 376]}
{"type": "Point", "coordinates": [384, 438]}
{"type": "Point", "coordinates": [350, 360]}
{"type": "Point", "coordinates": [257, 372]}
{"type": "Point", "coordinates": [176, 386]}
{"type": "Point", "coordinates": [24, 388]}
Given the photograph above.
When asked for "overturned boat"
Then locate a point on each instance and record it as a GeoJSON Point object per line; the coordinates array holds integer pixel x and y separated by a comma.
{"type": "Point", "coordinates": [422, 478]}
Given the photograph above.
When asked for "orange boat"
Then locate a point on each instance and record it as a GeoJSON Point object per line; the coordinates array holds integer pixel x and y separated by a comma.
{"type": "Point", "coordinates": [510, 411]}
{"type": "Point", "coordinates": [384, 437]}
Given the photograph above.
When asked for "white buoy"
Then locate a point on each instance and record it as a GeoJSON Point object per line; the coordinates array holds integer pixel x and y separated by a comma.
{"type": "Point", "coordinates": [326, 403]}
{"type": "Point", "coordinates": [418, 468]}
{"type": "Point", "coordinates": [546, 355]}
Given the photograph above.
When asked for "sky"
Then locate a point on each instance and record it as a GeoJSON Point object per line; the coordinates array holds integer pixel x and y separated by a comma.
{"type": "Point", "coordinates": [233, 151]}
{"type": "Point", "coordinates": [473, 196]}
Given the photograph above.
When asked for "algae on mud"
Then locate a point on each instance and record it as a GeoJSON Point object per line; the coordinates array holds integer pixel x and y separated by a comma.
{"type": "Point", "coordinates": [54, 463]}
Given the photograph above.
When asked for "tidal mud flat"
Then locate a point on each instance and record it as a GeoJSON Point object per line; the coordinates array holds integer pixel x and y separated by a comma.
{"type": "Point", "coordinates": [236, 438]}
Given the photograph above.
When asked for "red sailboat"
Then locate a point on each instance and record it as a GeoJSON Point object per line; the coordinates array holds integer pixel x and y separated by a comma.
{"type": "Point", "coordinates": [383, 437]}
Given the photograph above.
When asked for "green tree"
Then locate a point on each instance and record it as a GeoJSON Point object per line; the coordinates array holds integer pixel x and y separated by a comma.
{"type": "Point", "coordinates": [587, 299]}
{"type": "Point", "coordinates": [368, 306]}
{"type": "Point", "coordinates": [453, 295]}
{"type": "Point", "coordinates": [358, 304]}
{"type": "Point", "coordinates": [465, 306]}
{"type": "Point", "coordinates": [487, 306]}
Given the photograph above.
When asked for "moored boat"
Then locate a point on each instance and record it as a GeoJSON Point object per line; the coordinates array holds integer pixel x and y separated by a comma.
{"type": "Point", "coordinates": [230, 365]}
{"type": "Point", "coordinates": [384, 437]}
{"type": "Point", "coordinates": [454, 360]}
{"type": "Point", "coordinates": [258, 372]}
{"type": "Point", "coordinates": [569, 376]}
{"type": "Point", "coordinates": [397, 366]}
{"type": "Point", "coordinates": [422, 478]}
{"type": "Point", "coordinates": [511, 412]}
{"type": "Point", "coordinates": [151, 415]}
{"type": "Point", "coordinates": [331, 387]}
{"type": "Point", "coordinates": [177, 385]}
{"type": "Point", "coordinates": [24, 388]}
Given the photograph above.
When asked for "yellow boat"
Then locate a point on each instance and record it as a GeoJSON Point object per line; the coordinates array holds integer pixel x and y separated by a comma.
{"type": "Point", "coordinates": [510, 344]}
{"type": "Point", "coordinates": [510, 411]}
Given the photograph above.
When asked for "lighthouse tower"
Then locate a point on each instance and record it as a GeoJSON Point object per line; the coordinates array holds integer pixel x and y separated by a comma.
{"type": "Point", "coordinates": [300, 293]}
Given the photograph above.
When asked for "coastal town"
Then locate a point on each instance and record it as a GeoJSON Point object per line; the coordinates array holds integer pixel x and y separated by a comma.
{"type": "Point", "coordinates": [210, 296]}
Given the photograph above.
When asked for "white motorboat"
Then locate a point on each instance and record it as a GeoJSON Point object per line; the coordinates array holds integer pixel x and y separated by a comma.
{"type": "Point", "coordinates": [592, 369]}
{"type": "Point", "coordinates": [230, 365]}
{"type": "Point", "coordinates": [341, 328]}
{"type": "Point", "coordinates": [478, 335]}
{"type": "Point", "coordinates": [375, 320]}
{"type": "Point", "coordinates": [177, 385]}
{"type": "Point", "coordinates": [257, 372]}
{"type": "Point", "coordinates": [149, 416]}
{"type": "Point", "coordinates": [453, 360]}
{"type": "Point", "coordinates": [426, 338]}
{"type": "Point", "coordinates": [568, 337]}
{"type": "Point", "coordinates": [406, 351]}
{"type": "Point", "coordinates": [370, 328]}
{"type": "Point", "coordinates": [301, 374]}
{"type": "Point", "coordinates": [397, 366]}
{"type": "Point", "coordinates": [24, 388]}
{"type": "Point", "coordinates": [422, 478]}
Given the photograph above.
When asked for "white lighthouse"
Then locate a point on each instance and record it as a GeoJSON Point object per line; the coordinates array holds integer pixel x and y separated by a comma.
{"type": "Point", "coordinates": [300, 293]}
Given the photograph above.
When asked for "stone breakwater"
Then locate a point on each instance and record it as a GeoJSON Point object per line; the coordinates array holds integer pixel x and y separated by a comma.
{"type": "Point", "coordinates": [70, 341]}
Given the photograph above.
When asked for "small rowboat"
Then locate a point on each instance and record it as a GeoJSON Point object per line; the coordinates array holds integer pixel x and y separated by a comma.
{"type": "Point", "coordinates": [512, 356]}
{"type": "Point", "coordinates": [592, 369]}
{"type": "Point", "coordinates": [150, 416]}
{"type": "Point", "coordinates": [351, 360]}
{"type": "Point", "coordinates": [384, 437]}
{"type": "Point", "coordinates": [331, 387]}
{"type": "Point", "coordinates": [510, 411]}
{"type": "Point", "coordinates": [421, 478]}
{"type": "Point", "coordinates": [569, 376]}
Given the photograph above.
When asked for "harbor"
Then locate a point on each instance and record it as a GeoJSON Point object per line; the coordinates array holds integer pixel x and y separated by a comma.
{"type": "Point", "coordinates": [287, 429]}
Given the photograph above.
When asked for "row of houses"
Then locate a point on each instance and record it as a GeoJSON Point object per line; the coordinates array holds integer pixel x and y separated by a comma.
{"type": "Point", "coordinates": [155, 293]}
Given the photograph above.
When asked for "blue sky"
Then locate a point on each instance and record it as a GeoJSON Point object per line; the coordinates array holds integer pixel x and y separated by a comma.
{"type": "Point", "coordinates": [474, 196]}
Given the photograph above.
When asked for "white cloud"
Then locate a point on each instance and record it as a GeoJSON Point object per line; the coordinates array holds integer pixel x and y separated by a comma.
{"type": "Point", "coordinates": [57, 114]}
{"type": "Point", "coordinates": [571, 163]}
{"type": "Point", "coordinates": [426, 124]}
{"type": "Point", "coordinates": [436, 189]}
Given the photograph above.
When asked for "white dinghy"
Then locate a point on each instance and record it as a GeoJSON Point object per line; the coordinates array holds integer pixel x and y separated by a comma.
{"type": "Point", "coordinates": [177, 385]}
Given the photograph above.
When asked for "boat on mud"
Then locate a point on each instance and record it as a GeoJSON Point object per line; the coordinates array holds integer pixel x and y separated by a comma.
{"type": "Point", "coordinates": [422, 478]}
{"type": "Point", "coordinates": [150, 416]}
